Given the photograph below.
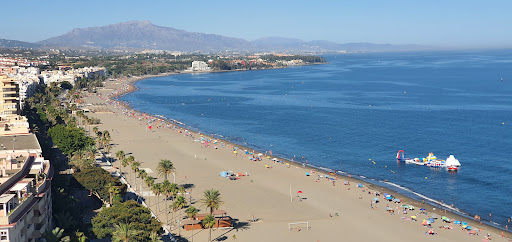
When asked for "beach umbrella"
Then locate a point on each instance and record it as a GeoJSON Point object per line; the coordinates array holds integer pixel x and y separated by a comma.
{"type": "Point", "coordinates": [444, 218]}
{"type": "Point", "coordinates": [299, 192]}
{"type": "Point", "coordinates": [413, 217]}
{"type": "Point", "coordinates": [464, 223]}
{"type": "Point", "coordinates": [307, 173]}
{"type": "Point", "coordinates": [431, 220]}
{"type": "Point", "coordinates": [359, 185]}
{"type": "Point", "coordinates": [456, 222]}
{"type": "Point", "coordinates": [468, 227]}
{"type": "Point", "coordinates": [376, 199]}
{"type": "Point", "coordinates": [396, 200]}
{"type": "Point", "coordinates": [422, 209]}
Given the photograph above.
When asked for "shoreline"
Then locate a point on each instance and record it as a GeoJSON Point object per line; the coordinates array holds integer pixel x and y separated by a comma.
{"type": "Point", "coordinates": [431, 206]}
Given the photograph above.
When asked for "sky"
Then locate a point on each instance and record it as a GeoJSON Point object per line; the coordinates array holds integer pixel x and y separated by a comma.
{"type": "Point", "coordinates": [446, 23]}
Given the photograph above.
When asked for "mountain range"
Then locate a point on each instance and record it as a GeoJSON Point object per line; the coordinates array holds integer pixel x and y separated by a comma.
{"type": "Point", "coordinates": [145, 35]}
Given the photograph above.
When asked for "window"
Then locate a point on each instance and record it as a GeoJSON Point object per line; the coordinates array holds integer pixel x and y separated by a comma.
{"type": "Point", "coordinates": [3, 235]}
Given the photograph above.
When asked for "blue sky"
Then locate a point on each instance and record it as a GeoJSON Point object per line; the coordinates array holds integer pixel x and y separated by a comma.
{"type": "Point", "coordinates": [448, 23]}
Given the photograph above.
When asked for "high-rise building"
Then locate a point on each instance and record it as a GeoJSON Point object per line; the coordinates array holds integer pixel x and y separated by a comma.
{"type": "Point", "coordinates": [9, 97]}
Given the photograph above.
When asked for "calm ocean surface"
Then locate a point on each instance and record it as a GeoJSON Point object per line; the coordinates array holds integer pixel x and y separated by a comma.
{"type": "Point", "coordinates": [366, 106]}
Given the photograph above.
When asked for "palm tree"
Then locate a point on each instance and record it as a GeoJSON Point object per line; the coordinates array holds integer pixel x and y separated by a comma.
{"type": "Point", "coordinates": [55, 235]}
{"type": "Point", "coordinates": [135, 169]}
{"type": "Point", "coordinates": [149, 180]}
{"type": "Point", "coordinates": [157, 190]}
{"type": "Point", "coordinates": [165, 167]}
{"type": "Point", "coordinates": [208, 223]}
{"type": "Point", "coordinates": [64, 219]}
{"type": "Point", "coordinates": [154, 237]}
{"type": "Point", "coordinates": [112, 190]}
{"type": "Point", "coordinates": [142, 175]}
{"type": "Point", "coordinates": [123, 233]}
{"type": "Point", "coordinates": [179, 203]}
{"type": "Point", "coordinates": [167, 189]}
{"type": "Point", "coordinates": [95, 130]}
{"type": "Point", "coordinates": [120, 155]}
{"type": "Point", "coordinates": [125, 162]}
{"type": "Point", "coordinates": [130, 159]}
{"type": "Point", "coordinates": [191, 213]}
{"type": "Point", "coordinates": [211, 199]}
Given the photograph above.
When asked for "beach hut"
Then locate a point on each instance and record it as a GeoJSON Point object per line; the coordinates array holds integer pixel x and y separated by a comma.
{"type": "Point", "coordinates": [189, 224]}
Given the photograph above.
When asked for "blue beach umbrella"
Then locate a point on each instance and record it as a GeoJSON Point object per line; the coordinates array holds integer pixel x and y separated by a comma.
{"type": "Point", "coordinates": [422, 209]}
{"type": "Point", "coordinates": [468, 227]}
{"type": "Point", "coordinates": [463, 223]}
{"type": "Point", "coordinates": [456, 222]}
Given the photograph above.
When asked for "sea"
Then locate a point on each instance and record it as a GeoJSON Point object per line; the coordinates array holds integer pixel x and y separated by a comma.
{"type": "Point", "coordinates": [355, 112]}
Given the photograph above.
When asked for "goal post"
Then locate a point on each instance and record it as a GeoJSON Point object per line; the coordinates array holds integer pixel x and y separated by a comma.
{"type": "Point", "coordinates": [298, 225]}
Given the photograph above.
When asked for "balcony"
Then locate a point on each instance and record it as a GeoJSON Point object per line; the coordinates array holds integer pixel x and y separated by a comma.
{"type": "Point", "coordinates": [19, 211]}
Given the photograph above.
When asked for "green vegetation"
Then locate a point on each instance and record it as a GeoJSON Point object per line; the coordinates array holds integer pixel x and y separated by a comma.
{"type": "Point", "coordinates": [69, 139]}
{"type": "Point", "coordinates": [137, 218]}
{"type": "Point", "coordinates": [165, 167]}
{"type": "Point", "coordinates": [211, 199]}
{"type": "Point", "coordinates": [100, 181]}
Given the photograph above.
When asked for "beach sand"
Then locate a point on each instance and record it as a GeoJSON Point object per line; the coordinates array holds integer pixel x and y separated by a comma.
{"type": "Point", "coordinates": [265, 193]}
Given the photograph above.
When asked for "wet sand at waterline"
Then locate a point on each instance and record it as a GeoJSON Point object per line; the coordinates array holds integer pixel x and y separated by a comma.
{"type": "Point", "coordinates": [265, 193]}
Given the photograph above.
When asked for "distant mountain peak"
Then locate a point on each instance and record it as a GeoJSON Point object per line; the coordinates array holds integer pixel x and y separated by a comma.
{"type": "Point", "coordinates": [145, 35]}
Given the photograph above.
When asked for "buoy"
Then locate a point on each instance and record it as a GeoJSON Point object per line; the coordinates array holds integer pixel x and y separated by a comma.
{"type": "Point", "coordinates": [386, 166]}
{"type": "Point", "coordinates": [369, 159]}
{"type": "Point", "coordinates": [425, 177]}
{"type": "Point", "coordinates": [370, 105]}
{"type": "Point", "coordinates": [503, 123]}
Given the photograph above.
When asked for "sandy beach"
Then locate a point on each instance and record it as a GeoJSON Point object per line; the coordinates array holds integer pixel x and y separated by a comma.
{"type": "Point", "coordinates": [335, 211]}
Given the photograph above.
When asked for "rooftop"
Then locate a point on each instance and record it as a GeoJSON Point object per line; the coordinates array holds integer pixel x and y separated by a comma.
{"type": "Point", "coordinates": [19, 142]}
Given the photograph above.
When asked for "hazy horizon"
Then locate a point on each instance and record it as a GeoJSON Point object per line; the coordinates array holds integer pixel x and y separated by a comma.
{"type": "Point", "coordinates": [452, 25]}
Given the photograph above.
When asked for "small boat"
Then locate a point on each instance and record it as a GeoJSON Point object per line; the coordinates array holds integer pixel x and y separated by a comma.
{"type": "Point", "coordinates": [453, 168]}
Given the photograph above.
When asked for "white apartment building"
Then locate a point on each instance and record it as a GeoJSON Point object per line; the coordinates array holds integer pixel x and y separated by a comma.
{"type": "Point", "coordinates": [200, 66]}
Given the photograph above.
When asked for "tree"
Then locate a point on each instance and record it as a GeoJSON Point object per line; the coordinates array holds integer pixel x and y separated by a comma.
{"type": "Point", "coordinates": [192, 213]}
{"type": "Point", "coordinates": [65, 220]}
{"type": "Point", "coordinates": [157, 190]}
{"type": "Point", "coordinates": [112, 190]}
{"type": "Point", "coordinates": [168, 189]}
{"type": "Point", "coordinates": [97, 179]}
{"type": "Point", "coordinates": [129, 212]}
{"type": "Point", "coordinates": [55, 235]}
{"type": "Point", "coordinates": [211, 199]}
{"type": "Point", "coordinates": [96, 130]}
{"type": "Point", "coordinates": [135, 169]}
{"type": "Point", "coordinates": [69, 139]}
{"type": "Point", "coordinates": [165, 167]}
{"type": "Point", "coordinates": [208, 223]}
{"type": "Point", "coordinates": [123, 233]}
{"type": "Point", "coordinates": [179, 203]}
{"type": "Point", "coordinates": [149, 180]}
{"type": "Point", "coordinates": [154, 237]}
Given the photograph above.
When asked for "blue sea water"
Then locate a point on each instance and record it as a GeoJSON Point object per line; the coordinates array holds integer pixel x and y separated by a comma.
{"type": "Point", "coordinates": [366, 106]}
